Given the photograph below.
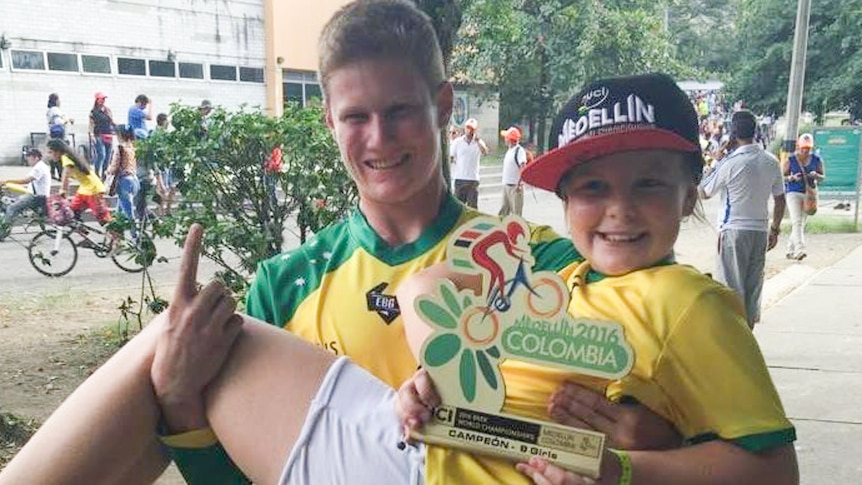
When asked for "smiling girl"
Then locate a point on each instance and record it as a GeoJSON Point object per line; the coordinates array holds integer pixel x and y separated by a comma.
{"type": "Point", "coordinates": [626, 165]}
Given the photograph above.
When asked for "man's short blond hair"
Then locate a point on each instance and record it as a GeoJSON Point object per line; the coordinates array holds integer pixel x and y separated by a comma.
{"type": "Point", "coordinates": [381, 30]}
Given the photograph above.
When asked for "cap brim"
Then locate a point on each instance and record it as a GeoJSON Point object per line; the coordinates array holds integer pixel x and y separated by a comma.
{"type": "Point", "coordinates": [545, 172]}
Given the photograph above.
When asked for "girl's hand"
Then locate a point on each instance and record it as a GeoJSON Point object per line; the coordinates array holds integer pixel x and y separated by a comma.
{"type": "Point", "coordinates": [543, 473]}
{"type": "Point", "coordinates": [627, 426]}
{"type": "Point", "coordinates": [416, 401]}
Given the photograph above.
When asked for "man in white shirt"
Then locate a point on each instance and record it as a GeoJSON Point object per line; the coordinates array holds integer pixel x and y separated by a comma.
{"type": "Point", "coordinates": [464, 153]}
{"type": "Point", "coordinates": [513, 161]}
{"type": "Point", "coordinates": [39, 179]}
{"type": "Point", "coordinates": [745, 179]}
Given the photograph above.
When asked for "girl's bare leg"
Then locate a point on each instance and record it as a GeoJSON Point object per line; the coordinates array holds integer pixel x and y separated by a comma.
{"type": "Point", "coordinates": [104, 432]}
{"type": "Point", "coordinates": [258, 404]}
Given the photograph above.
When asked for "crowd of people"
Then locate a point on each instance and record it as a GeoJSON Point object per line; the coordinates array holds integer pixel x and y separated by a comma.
{"type": "Point", "coordinates": [110, 168]}
{"type": "Point", "coordinates": [329, 406]}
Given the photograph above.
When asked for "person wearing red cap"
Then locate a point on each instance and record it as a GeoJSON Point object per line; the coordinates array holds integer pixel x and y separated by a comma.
{"type": "Point", "coordinates": [465, 153]}
{"type": "Point", "coordinates": [626, 162]}
{"type": "Point", "coordinates": [513, 161]}
{"type": "Point", "coordinates": [801, 169]}
{"type": "Point", "coordinates": [101, 133]}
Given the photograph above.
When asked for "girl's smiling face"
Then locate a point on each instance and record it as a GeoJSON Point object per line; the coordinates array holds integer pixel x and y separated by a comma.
{"type": "Point", "coordinates": [624, 210]}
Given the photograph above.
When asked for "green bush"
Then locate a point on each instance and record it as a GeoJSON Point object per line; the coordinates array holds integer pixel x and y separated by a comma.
{"type": "Point", "coordinates": [221, 162]}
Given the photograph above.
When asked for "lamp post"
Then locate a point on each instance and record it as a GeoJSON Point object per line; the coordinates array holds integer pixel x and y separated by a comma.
{"type": "Point", "coordinates": [797, 74]}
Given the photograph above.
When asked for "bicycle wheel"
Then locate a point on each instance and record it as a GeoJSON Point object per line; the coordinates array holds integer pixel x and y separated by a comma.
{"type": "Point", "coordinates": [547, 298]}
{"type": "Point", "coordinates": [52, 253]}
{"type": "Point", "coordinates": [134, 256]}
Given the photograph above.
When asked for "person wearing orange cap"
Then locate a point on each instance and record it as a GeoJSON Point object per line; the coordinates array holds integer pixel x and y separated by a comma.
{"type": "Point", "coordinates": [464, 153]}
{"type": "Point", "coordinates": [801, 169]}
{"type": "Point", "coordinates": [101, 133]}
{"type": "Point", "coordinates": [513, 161]}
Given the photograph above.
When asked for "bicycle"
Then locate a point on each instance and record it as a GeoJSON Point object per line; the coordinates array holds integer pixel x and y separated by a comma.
{"type": "Point", "coordinates": [543, 297]}
{"type": "Point", "coordinates": [31, 217]}
{"type": "Point", "coordinates": [54, 251]}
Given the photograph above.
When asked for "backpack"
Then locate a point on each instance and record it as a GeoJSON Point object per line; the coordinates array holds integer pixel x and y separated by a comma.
{"type": "Point", "coordinates": [57, 131]}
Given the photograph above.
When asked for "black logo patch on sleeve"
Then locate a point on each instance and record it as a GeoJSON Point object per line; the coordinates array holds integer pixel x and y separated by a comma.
{"type": "Point", "coordinates": [385, 305]}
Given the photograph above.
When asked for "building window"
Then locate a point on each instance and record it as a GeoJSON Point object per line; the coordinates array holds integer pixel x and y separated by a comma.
{"type": "Point", "coordinates": [96, 64]}
{"type": "Point", "coordinates": [32, 60]}
{"type": "Point", "coordinates": [163, 69]}
{"type": "Point", "coordinates": [222, 73]}
{"type": "Point", "coordinates": [62, 62]}
{"type": "Point", "coordinates": [251, 74]}
{"type": "Point", "coordinates": [301, 87]}
{"type": "Point", "coordinates": [191, 71]}
{"type": "Point", "coordinates": [131, 67]}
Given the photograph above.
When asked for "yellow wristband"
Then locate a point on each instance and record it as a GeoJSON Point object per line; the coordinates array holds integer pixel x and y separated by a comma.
{"type": "Point", "coordinates": [625, 467]}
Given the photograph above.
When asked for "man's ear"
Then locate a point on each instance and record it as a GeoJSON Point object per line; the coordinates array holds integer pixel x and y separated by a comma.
{"type": "Point", "coordinates": [445, 97]}
{"type": "Point", "coordinates": [328, 116]}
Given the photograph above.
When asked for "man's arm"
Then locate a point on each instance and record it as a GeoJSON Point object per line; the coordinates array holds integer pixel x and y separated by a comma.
{"type": "Point", "coordinates": [23, 181]}
{"type": "Point", "coordinates": [777, 215]}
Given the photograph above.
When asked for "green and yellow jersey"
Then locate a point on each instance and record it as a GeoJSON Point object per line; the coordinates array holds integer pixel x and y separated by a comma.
{"type": "Point", "coordinates": [336, 291]}
{"type": "Point", "coordinates": [682, 326]}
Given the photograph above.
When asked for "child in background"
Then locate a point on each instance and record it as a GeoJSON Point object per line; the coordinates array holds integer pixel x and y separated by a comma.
{"type": "Point", "coordinates": [91, 190]}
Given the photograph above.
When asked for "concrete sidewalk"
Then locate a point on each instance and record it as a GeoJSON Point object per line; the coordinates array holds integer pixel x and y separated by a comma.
{"type": "Point", "coordinates": [812, 342]}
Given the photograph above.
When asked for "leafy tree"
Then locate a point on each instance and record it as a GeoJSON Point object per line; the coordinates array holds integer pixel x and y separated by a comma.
{"type": "Point", "coordinates": [228, 184]}
{"type": "Point", "coordinates": [833, 74]}
{"type": "Point", "coordinates": [538, 52]}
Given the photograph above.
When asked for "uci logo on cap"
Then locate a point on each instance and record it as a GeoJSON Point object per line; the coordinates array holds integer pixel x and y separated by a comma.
{"type": "Point", "coordinates": [594, 98]}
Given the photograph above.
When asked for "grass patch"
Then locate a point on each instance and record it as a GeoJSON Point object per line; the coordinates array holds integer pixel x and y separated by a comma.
{"type": "Point", "coordinates": [824, 225]}
{"type": "Point", "coordinates": [14, 432]}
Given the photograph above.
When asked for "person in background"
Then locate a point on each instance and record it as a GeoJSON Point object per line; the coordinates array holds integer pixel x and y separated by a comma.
{"type": "Point", "coordinates": [166, 185]}
{"type": "Point", "coordinates": [57, 122]}
{"type": "Point", "coordinates": [745, 180]}
{"type": "Point", "coordinates": [801, 169]}
{"type": "Point", "coordinates": [205, 109]}
{"type": "Point", "coordinates": [125, 166]}
{"type": "Point", "coordinates": [465, 153]}
{"type": "Point", "coordinates": [101, 133]}
{"type": "Point", "coordinates": [39, 179]}
{"type": "Point", "coordinates": [91, 190]}
{"type": "Point", "coordinates": [139, 112]}
{"type": "Point", "coordinates": [513, 161]}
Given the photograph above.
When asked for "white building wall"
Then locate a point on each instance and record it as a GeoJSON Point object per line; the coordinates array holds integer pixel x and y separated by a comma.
{"type": "Point", "coordinates": [223, 32]}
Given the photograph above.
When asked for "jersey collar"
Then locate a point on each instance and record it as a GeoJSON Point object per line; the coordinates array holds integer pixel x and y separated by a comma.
{"type": "Point", "coordinates": [367, 237]}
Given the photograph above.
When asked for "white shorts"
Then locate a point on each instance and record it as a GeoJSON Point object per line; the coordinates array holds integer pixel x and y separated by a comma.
{"type": "Point", "coordinates": [351, 435]}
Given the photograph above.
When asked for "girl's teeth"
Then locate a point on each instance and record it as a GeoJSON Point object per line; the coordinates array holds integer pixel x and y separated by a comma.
{"type": "Point", "coordinates": [619, 238]}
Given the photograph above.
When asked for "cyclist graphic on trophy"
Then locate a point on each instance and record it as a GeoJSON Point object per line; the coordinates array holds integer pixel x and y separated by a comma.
{"type": "Point", "coordinates": [519, 315]}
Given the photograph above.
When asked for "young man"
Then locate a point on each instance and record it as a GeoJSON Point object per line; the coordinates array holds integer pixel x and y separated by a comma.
{"type": "Point", "coordinates": [39, 179]}
{"type": "Point", "coordinates": [387, 99]}
{"type": "Point", "coordinates": [746, 178]}
{"type": "Point", "coordinates": [513, 161]}
{"type": "Point", "coordinates": [139, 112]}
{"type": "Point", "coordinates": [465, 153]}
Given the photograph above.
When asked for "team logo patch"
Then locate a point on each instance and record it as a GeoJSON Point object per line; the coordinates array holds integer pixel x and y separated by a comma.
{"type": "Point", "coordinates": [385, 305]}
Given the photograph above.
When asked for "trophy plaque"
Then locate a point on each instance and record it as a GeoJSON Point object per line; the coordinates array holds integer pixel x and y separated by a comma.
{"type": "Point", "coordinates": [519, 315]}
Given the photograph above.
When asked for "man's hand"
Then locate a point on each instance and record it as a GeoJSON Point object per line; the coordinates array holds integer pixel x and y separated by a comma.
{"type": "Point", "coordinates": [195, 342]}
{"type": "Point", "coordinates": [772, 241]}
{"type": "Point", "coordinates": [627, 426]}
{"type": "Point", "coordinates": [417, 398]}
